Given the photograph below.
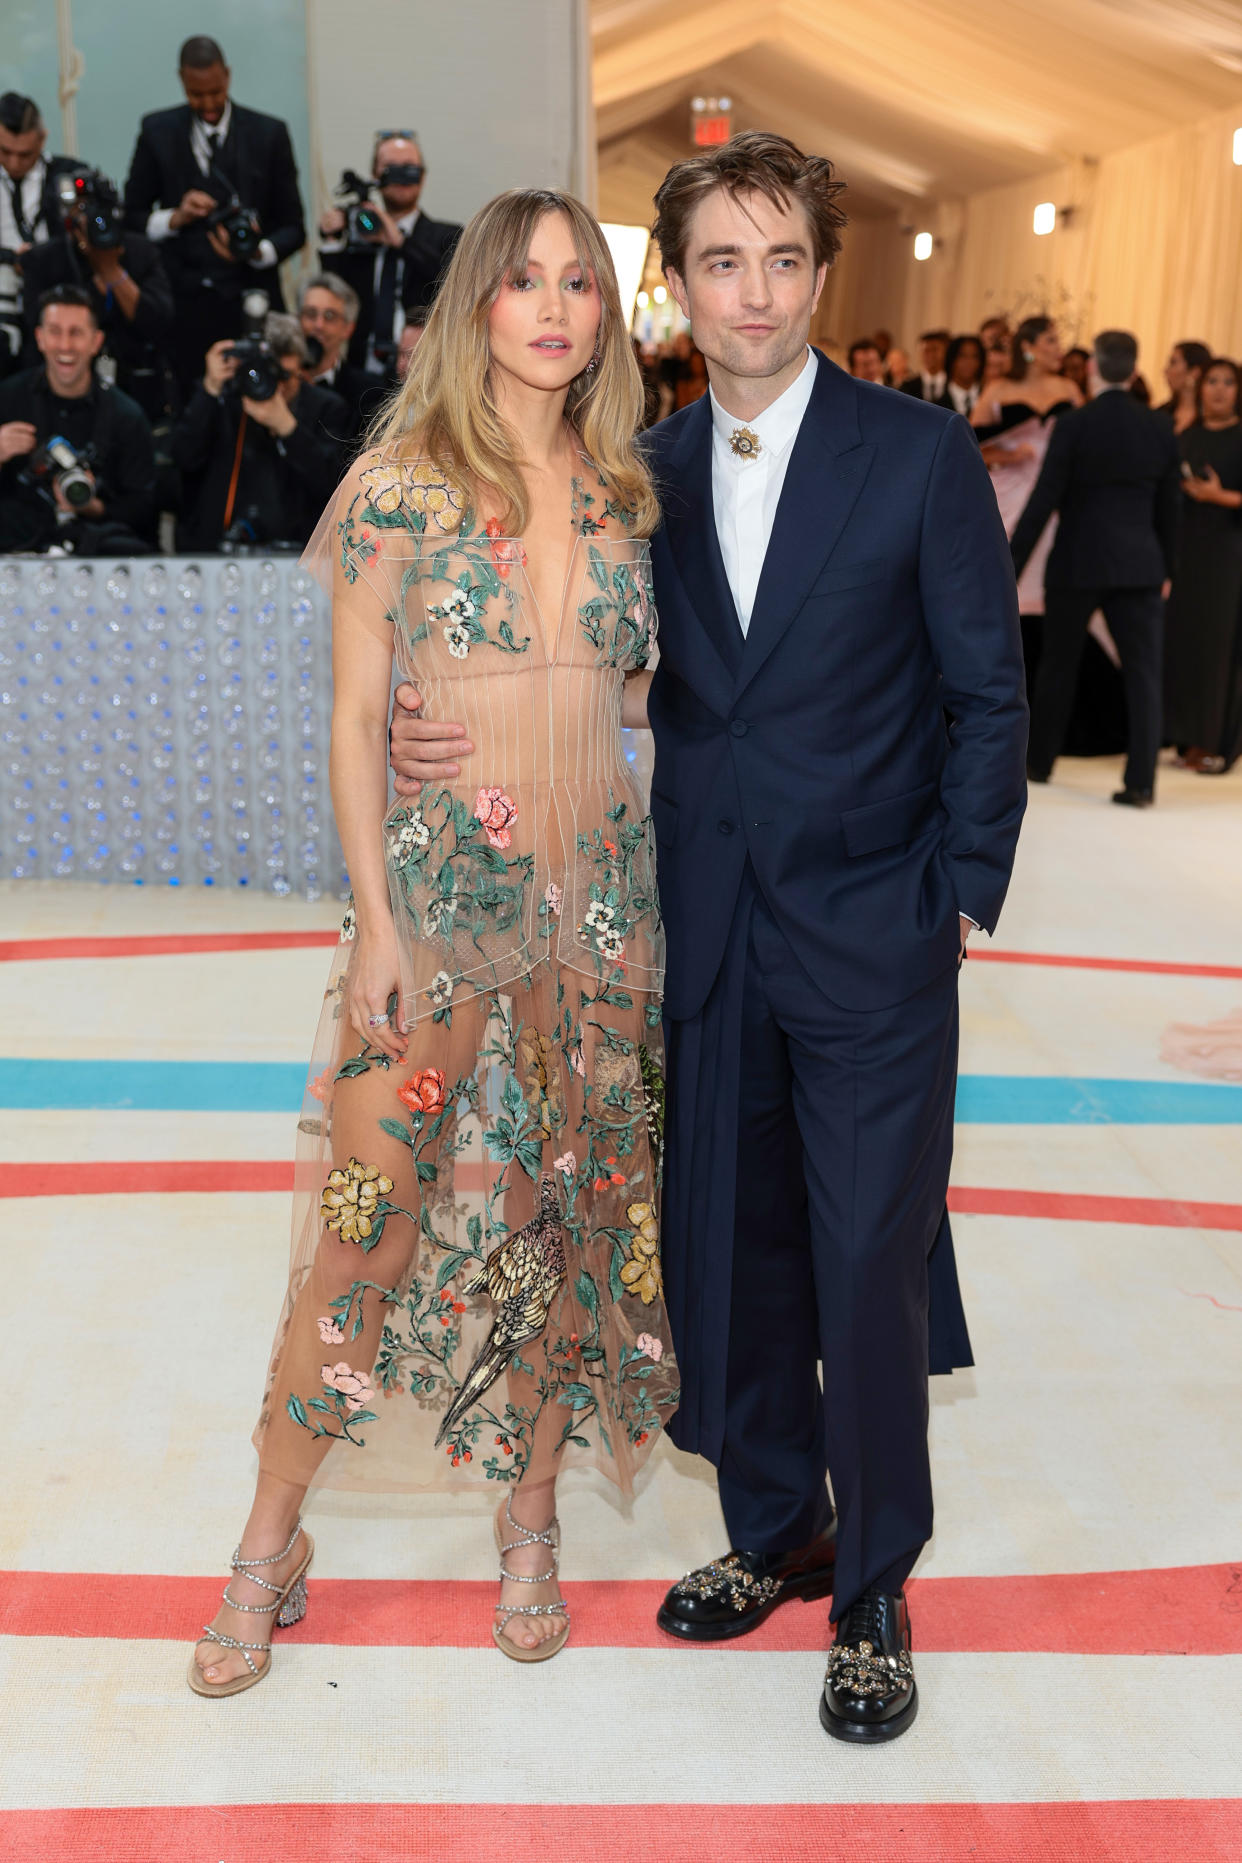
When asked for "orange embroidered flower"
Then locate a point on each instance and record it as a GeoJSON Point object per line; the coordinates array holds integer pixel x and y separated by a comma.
{"type": "Point", "coordinates": [505, 550]}
{"type": "Point", "coordinates": [613, 1176]}
{"type": "Point", "coordinates": [423, 1092]}
{"type": "Point", "coordinates": [321, 1086]}
{"type": "Point", "coordinates": [495, 810]}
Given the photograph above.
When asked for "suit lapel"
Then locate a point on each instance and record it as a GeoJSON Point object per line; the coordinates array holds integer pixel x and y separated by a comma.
{"type": "Point", "coordinates": [826, 470]}
{"type": "Point", "coordinates": [690, 521]}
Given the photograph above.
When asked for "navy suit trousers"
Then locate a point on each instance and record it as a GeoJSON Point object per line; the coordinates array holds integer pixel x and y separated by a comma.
{"type": "Point", "coordinates": [844, 1133]}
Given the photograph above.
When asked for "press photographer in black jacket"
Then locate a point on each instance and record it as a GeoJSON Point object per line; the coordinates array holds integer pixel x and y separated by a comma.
{"type": "Point", "coordinates": [110, 507]}
{"type": "Point", "coordinates": [189, 163]}
{"type": "Point", "coordinates": [399, 265]}
{"type": "Point", "coordinates": [263, 466]}
{"type": "Point", "coordinates": [123, 275]}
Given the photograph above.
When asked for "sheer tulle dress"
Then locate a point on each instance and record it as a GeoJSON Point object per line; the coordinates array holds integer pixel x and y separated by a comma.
{"type": "Point", "coordinates": [475, 1288]}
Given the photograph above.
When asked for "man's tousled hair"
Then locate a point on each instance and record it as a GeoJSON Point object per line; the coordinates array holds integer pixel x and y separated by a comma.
{"type": "Point", "coordinates": [755, 162]}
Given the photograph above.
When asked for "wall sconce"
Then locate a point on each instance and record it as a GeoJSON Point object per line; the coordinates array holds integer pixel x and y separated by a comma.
{"type": "Point", "coordinates": [923, 243]}
{"type": "Point", "coordinates": [1237, 148]}
{"type": "Point", "coordinates": [1045, 217]}
{"type": "Point", "coordinates": [660, 294]}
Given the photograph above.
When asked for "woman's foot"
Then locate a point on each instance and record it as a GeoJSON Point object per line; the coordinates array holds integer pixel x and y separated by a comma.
{"type": "Point", "coordinates": [219, 1665]}
{"type": "Point", "coordinates": [533, 1563]}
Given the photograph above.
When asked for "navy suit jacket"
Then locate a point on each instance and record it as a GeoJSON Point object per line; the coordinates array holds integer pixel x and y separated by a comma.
{"type": "Point", "coordinates": [864, 744]}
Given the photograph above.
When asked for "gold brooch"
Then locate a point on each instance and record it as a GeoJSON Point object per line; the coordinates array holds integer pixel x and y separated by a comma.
{"type": "Point", "coordinates": [744, 444]}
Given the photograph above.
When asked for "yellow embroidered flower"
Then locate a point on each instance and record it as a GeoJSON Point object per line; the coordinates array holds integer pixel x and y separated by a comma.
{"type": "Point", "coordinates": [350, 1200]}
{"type": "Point", "coordinates": [382, 485]}
{"type": "Point", "coordinates": [641, 1274]}
{"type": "Point", "coordinates": [420, 487]}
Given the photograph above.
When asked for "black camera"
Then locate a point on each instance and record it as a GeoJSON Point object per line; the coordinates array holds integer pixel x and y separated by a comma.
{"type": "Point", "coordinates": [86, 191]}
{"type": "Point", "coordinates": [258, 374]}
{"type": "Point", "coordinates": [362, 221]}
{"type": "Point", "coordinates": [240, 226]}
{"type": "Point", "coordinates": [58, 465]}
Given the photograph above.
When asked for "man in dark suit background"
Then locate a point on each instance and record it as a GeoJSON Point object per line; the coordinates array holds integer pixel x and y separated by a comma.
{"type": "Point", "coordinates": [328, 314]}
{"type": "Point", "coordinates": [397, 268]}
{"type": "Point", "coordinates": [29, 214]}
{"type": "Point", "coordinates": [1111, 470]}
{"type": "Point", "coordinates": [190, 161]}
{"type": "Point", "coordinates": [930, 382]}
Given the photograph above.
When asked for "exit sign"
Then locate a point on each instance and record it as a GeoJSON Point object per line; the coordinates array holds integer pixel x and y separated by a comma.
{"type": "Point", "coordinates": [711, 121]}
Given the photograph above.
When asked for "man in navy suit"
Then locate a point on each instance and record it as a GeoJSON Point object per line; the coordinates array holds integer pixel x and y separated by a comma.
{"type": "Point", "coordinates": [840, 730]}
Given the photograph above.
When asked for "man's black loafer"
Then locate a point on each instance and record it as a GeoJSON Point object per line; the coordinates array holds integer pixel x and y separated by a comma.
{"type": "Point", "coordinates": [734, 1594]}
{"type": "Point", "coordinates": [869, 1690]}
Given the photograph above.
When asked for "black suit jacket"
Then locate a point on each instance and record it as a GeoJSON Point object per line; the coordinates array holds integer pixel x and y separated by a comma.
{"type": "Point", "coordinates": [1111, 470]}
{"type": "Point", "coordinates": [426, 253]}
{"type": "Point", "coordinates": [282, 485]}
{"type": "Point", "coordinates": [256, 161]}
{"type": "Point", "coordinates": [58, 262]}
{"type": "Point", "coordinates": [816, 746]}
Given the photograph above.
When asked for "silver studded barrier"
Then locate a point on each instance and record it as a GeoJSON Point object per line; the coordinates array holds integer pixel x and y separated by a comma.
{"type": "Point", "coordinates": [165, 721]}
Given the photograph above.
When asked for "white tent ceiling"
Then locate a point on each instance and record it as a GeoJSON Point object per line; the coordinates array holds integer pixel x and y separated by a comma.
{"type": "Point", "coordinates": [916, 100]}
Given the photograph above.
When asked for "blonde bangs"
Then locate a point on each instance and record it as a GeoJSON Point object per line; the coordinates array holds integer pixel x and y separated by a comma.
{"type": "Point", "coordinates": [446, 408]}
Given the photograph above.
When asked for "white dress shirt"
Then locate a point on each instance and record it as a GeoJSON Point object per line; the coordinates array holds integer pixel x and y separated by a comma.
{"type": "Point", "coordinates": [963, 399]}
{"type": "Point", "coordinates": [337, 242]}
{"type": "Point", "coordinates": [933, 385]}
{"type": "Point", "coordinates": [159, 221]}
{"type": "Point", "coordinates": [746, 492]}
{"type": "Point", "coordinates": [30, 194]}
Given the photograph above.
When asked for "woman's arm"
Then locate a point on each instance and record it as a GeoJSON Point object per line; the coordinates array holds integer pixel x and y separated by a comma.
{"type": "Point", "coordinates": [634, 702]}
{"type": "Point", "coordinates": [362, 675]}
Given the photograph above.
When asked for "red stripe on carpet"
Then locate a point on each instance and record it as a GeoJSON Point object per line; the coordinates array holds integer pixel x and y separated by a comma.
{"type": "Point", "coordinates": [1070, 1207]}
{"type": "Point", "coordinates": [1104, 1831]}
{"type": "Point", "coordinates": [1183, 1611]}
{"type": "Point", "coordinates": [1140, 966]}
{"type": "Point", "coordinates": [116, 1177]}
{"type": "Point", "coordinates": [111, 1177]}
{"type": "Point", "coordinates": [31, 950]}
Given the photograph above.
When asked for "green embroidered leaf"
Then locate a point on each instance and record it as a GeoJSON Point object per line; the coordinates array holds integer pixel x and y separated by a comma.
{"type": "Point", "coordinates": [451, 1265]}
{"type": "Point", "coordinates": [588, 1297]}
{"type": "Point", "coordinates": [474, 1231]}
{"type": "Point", "coordinates": [426, 1171]}
{"type": "Point", "coordinates": [297, 1410]}
{"type": "Point", "coordinates": [395, 1129]}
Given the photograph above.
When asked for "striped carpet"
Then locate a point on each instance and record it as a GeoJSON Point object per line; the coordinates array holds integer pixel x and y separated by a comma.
{"type": "Point", "coordinates": [1078, 1617]}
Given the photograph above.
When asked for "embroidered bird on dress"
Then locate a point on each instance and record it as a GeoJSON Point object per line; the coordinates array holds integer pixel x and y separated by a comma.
{"type": "Point", "coordinates": [523, 1276]}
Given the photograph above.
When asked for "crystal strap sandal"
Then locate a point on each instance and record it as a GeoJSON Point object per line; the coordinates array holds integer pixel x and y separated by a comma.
{"type": "Point", "coordinates": [551, 1538]}
{"type": "Point", "coordinates": [288, 1607]}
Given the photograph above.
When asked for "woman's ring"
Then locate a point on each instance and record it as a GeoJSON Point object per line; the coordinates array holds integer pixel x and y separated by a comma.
{"type": "Point", "coordinates": [376, 1022]}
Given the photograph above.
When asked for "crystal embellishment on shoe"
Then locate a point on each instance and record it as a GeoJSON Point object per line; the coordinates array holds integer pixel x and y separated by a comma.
{"type": "Point", "coordinates": [729, 1581]}
{"type": "Point", "coordinates": [864, 1671]}
{"type": "Point", "coordinates": [288, 1608]}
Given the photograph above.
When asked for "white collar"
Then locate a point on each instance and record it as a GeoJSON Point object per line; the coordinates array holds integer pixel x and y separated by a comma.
{"type": "Point", "coordinates": [408, 221]}
{"type": "Point", "coordinates": [780, 420]}
{"type": "Point", "coordinates": [220, 129]}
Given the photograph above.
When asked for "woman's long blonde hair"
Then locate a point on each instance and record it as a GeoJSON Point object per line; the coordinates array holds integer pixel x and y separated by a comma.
{"type": "Point", "coordinates": [446, 408]}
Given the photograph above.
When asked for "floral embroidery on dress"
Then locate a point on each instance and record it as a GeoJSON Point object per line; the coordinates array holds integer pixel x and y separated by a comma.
{"type": "Point", "coordinates": [495, 811]}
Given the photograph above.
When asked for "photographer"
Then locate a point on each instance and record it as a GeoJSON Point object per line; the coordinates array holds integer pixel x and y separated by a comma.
{"type": "Point", "coordinates": [264, 461]}
{"type": "Point", "coordinates": [29, 211]}
{"type": "Point", "coordinates": [328, 314]}
{"type": "Point", "coordinates": [399, 263]}
{"type": "Point", "coordinates": [123, 274]}
{"type": "Point", "coordinates": [217, 187]}
{"type": "Point", "coordinates": [77, 467]}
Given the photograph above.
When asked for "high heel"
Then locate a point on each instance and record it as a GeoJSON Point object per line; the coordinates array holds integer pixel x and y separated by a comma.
{"type": "Point", "coordinates": [551, 1538]}
{"type": "Point", "coordinates": [289, 1609]}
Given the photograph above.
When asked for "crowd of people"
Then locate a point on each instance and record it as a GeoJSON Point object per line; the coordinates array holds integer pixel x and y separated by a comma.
{"type": "Point", "coordinates": [155, 388]}
{"type": "Point", "coordinates": [1138, 627]}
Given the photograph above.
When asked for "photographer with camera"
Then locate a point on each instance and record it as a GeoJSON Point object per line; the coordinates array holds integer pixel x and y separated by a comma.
{"type": "Point", "coordinates": [216, 186]}
{"type": "Point", "coordinates": [123, 273]}
{"type": "Point", "coordinates": [328, 314]}
{"type": "Point", "coordinates": [257, 437]}
{"type": "Point", "coordinates": [29, 211]}
{"type": "Point", "coordinates": [77, 466]}
{"type": "Point", "coordinates": [383, 245]}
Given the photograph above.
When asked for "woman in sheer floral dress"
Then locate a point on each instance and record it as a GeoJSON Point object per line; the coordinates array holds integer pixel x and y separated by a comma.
{"type": "Point", "coordinates": [475, 1289]}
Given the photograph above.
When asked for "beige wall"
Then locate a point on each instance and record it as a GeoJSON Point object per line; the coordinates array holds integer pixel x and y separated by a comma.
{"type": "Point", "coordinates": [495, 90]}
{"type": "Point", "coordinates": [1153, 246]}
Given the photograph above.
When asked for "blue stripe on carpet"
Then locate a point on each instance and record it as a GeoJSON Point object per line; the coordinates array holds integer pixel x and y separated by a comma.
{"type": "Point", "coordinates": [276, 1087]}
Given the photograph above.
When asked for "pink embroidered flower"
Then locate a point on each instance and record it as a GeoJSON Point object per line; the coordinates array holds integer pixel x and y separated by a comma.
{"type": "Point", "coordinates": [354, 1386]}
{"type": "Point", "coordinates": [329, 1331]}
{"type": "Point", "coordinates": [495, 810]}
{"type": "Point", "coordinates": [505, 551]}
{"type": "Point", "coordinates": [577, 1060]}
{"type": "Point", "coordinates": [321, 1086]}
{"type": "Point", "coordinates": [423, 1092]}
{"type": "Point", "coordinates": [553, 898]}
{"type": "Point", "coordinates": [651, 1348]}
{"type": "Point", "coordinates": [566, 1164]}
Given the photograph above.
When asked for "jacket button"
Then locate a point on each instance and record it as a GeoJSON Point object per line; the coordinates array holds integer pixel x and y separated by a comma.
{"type": "Point", "coordinates": [739, 727]}
{"type": "Point", "coordinates": [725, 827]}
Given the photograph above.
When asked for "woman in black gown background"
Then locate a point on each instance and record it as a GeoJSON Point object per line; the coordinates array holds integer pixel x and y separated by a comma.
{"type": "Point", "coordinates": [1203, 625]}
